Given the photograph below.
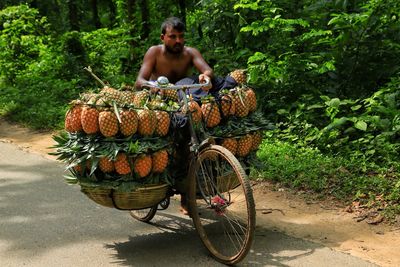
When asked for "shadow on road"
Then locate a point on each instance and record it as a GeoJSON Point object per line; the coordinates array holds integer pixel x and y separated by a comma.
{"type": "Point", "coordinates": [170, 247]}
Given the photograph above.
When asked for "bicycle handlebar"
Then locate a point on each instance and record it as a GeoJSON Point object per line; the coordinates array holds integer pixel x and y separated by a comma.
{"type": "Point", "coordinates": [163, 83]}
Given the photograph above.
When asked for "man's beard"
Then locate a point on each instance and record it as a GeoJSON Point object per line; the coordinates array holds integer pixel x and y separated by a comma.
{"type": "Point", "coordinates": [176, 49]}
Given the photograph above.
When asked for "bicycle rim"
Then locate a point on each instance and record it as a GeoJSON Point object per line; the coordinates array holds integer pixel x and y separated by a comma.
{"type": "Point", "coordinates": [222, 205]}
{"type": "Point", "coordinates": [144, 215]}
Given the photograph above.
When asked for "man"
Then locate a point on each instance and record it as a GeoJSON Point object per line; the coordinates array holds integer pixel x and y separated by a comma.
{"type": "Point", "coordinates": [173, 59]}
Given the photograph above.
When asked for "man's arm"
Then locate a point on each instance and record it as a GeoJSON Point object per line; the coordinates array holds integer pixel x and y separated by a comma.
{"type": "Point", "coordinates": [149, 61]}
{"type": "Point", "coordinates": [201, 65]}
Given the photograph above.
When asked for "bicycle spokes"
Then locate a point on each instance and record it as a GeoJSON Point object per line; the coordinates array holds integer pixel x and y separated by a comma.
{"type": "Point", "coordinates": [223, 208]}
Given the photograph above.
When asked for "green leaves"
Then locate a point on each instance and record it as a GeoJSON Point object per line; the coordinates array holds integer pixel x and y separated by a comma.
{"type": "Point", "coordinates": [361, 125]}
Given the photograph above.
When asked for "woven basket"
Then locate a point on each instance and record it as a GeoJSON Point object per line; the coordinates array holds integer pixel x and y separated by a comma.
{"type": "Point", "coordinates": [99, 195]}
{"type": "Point", "coordinates": [142, 197]}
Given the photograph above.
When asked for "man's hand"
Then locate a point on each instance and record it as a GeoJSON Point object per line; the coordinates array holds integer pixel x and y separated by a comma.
{"type": "Point", "coordinates": [203, 78]}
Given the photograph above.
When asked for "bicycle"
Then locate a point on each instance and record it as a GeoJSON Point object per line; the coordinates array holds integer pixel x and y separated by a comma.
{"type": "Point", "coordinates": [220, 198]}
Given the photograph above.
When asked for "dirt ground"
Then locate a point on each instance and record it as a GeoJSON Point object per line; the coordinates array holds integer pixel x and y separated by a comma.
{"type": "Point", "coordinates": [327, 222]}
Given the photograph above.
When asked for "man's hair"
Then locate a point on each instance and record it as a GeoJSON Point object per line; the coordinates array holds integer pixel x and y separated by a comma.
{"type": "Point", "coordinates": [173, 22]}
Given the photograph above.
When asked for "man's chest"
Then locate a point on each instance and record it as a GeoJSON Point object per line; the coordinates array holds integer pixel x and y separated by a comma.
{"type": "Point", "coordinates": [173, 66]}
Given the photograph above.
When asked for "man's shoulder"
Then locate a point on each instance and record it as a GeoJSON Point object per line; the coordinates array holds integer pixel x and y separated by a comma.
{"type": "Point", "coordinates": [193, 52]}
{"type": "Point", "coordinates": [190, 49]}
{"type": "Point", "coordinates": [154, 49]}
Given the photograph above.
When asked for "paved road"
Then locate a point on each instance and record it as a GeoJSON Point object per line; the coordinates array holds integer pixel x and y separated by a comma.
{"type": "Point", "coordinates": [45, 222]}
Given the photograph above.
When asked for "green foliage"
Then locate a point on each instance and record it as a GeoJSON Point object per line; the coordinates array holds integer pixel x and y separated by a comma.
{"type": "Point", "coordinates": [308, 169]}
{"type": "Point", "coordinates": [319, 47]}
{"type": "Point", "coordinates": [303, 168]}
{"type": "Point", "coordinates": [109, 52]}
{"type": "Point", "coordinates": [218, 39]}
{"type": "Point", "coordinates": [366, 130]}
{"type": "Point", "coordinates": [22, 38]}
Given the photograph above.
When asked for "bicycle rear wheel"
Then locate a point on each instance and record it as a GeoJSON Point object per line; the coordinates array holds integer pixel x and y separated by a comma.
{"type": "Point", "coordinates": [144, 215]}
{"type": "Point", "coordinates": [221, 204]}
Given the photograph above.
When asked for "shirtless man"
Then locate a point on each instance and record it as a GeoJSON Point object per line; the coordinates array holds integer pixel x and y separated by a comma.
{"type": "Point", "coordinates": [172, 59]}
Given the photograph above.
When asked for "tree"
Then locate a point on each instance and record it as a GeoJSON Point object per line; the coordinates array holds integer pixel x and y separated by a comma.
{"type": "Point", "coordinates": [73, 15]}
{"type": "Point", "coordinates": [145, 19]}
{"type": "Point", "coordinates": [95, 14]}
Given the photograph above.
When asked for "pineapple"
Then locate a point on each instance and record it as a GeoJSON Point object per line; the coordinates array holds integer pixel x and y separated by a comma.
{"type": "Point", "coordinates": [141, 98]}
{"type": "Point", "coordinates": [79, 169]}
{"type": "Point", "coordinates": [89, 120]}
{"type": "Point", "coordinates": [231, 144]}
{"type": "Point", "coordinates": [251, 99]}
{"type": "Point", "coordinates": [142, 165]}
{"type": "Point", "coordinates": [227, 105]}
{"type": "Point", "coordinates": [73, 119]}
{"type": "Point", "coordinates": [195, 110]}
{"type": "Point", "coordinates": [239, 76]}
{"type": "Point", "coordinates": [111, 95]}
{"type": "Point", "coordinates": [160, 161]}
{"type": "Point", "coordinates": [108, 123]}
{"type": "Point", "coordinates": [129, 122]}
{"type": "Point", "coordinates": [170, 94]}
{"type": "Point", "coordinates": [127, 98]}
{"type": "Point", "coordinates": [163, 122]}
{"type": "Point", "coordinates": [210, 110]}
{"type": "Point", "coordinates": [245, 144]}
{"type": "Point", "coordinates": [121, 164]}
{"type": "Point", "coordinates": [89, 165]}
{"type": "Point", "coordinates": [101, 103]}
{"type": "Point", "coordinates": [147, 122]}
{"type": "Point", "coordinates": [89, 98]}
{"type": "Point", "coordinates": [241, 104]}
{"type": "Point", "coordinates": [106, 165]}
{"type": "Point", "coordinates": [257, 139]}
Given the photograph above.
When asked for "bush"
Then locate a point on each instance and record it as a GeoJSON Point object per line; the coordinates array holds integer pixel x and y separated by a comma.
{"type": "Point", "coordinates": [310, 170]}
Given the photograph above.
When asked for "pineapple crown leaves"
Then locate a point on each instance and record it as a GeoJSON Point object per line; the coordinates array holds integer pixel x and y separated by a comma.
{"type": "Point", "coordinates": [208, 99]}
{"type": "Point", "coordinates": [236, 126]}
{"type": "Point", "coordinates": [148, 145]}
{"type": "Point", "coordinates": [71, 179]}
{"type": "Point", "coordinates": [224, 92]}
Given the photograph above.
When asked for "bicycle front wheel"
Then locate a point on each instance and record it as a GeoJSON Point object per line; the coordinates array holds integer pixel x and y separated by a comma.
{"type": "Point", "coordinates": [221, 204]}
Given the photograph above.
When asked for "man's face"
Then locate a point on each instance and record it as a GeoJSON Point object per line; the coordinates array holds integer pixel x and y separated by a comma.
{"type": "Point", "coordinates": [173, 40]}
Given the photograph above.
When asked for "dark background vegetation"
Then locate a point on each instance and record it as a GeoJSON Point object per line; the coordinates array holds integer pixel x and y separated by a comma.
{"type": "Point", "coordinates": [326, 73]}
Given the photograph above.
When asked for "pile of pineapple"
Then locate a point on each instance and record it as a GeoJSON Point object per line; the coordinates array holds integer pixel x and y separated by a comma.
{"type": "Point", "coordinates": [121, 139]}
{"type": "Point", "coordinates": [116, 139]}
{"type": "Point", "coordinates": [231, 117]}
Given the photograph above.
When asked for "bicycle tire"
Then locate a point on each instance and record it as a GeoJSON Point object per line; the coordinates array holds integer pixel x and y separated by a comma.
{"type": "Point", "coordinates": [223, 212]}
{"type": "Point", "coordinates": [164, 204]}
{"type": "Point", "coordinates": [144, 215]}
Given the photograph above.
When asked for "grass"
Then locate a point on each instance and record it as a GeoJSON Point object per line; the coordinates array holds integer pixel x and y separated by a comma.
{"type": "Point", "coordinates": [324, 175]}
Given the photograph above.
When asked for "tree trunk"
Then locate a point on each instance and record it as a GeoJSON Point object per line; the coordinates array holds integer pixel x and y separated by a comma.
{"type": "Point", "coordinates": [144, 8]}
{"type": "Point", "coordinates": [113, 13]}
{"type": "Point", "coordinates": [73, 15]}
{"type": "Point", "coordinates": [182, 10]}
{"type": "Point", "coordinates": [130, 10]}
{"type": "Point", "coordinates": [95, 13]}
